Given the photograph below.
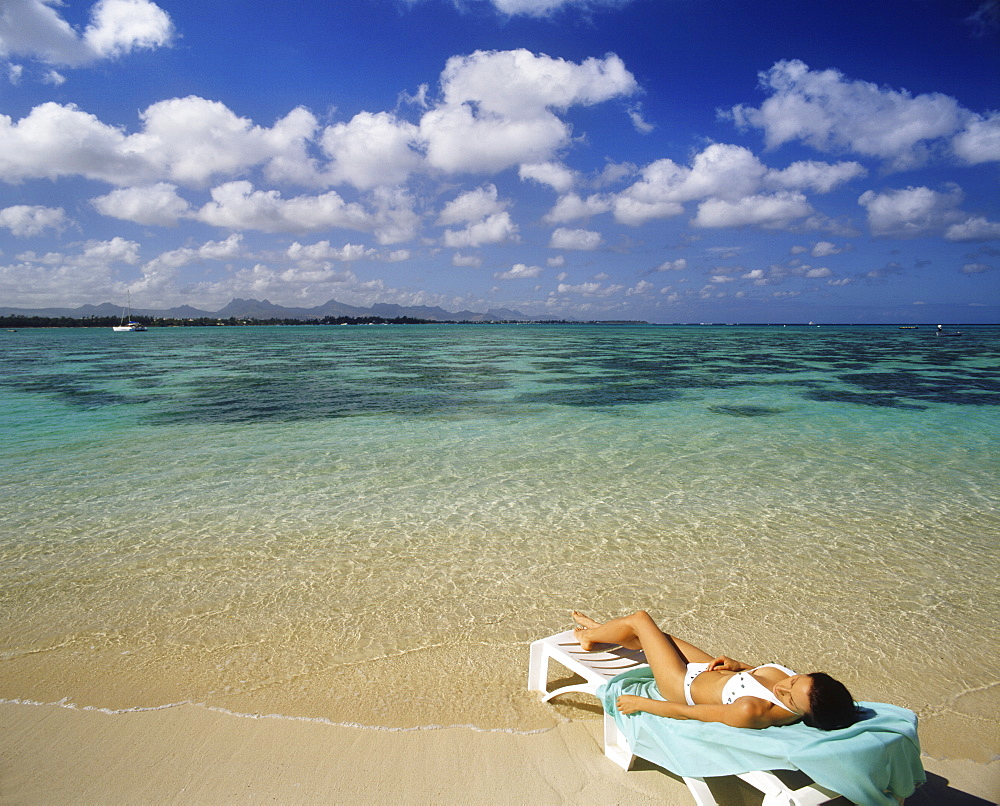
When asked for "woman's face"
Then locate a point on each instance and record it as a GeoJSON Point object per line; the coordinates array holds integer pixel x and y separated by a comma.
{"type": "Point", "coordinates": [794, 692]}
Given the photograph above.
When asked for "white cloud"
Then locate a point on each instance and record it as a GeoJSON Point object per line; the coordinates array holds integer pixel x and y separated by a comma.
{"type": "Point", "coordinates": [120, 26]}
{"type": "Point", "coordinates": [830, 112]}
{"type": "Point", "coordinates": [588, 289]}
{"type": "Point", "coordinates": [821, 177]}
{"type": "Point", "coordinates": [517, 83]}
{"type": "Point", "coordinates": [498, 107]}
{"type": "Point", "coordinates": [910, 212]}
{"type": "Point", "coordinates": [980, 140]}
{"type": "Point", "coordinates": [673, 265]}
{"type": "Point", "coordinates": [53, 141]}
{"type": "Point", "coordinates": [770, 211]}
{"type": "Point", "coordinates": [156, 204]}
{"type": "Point", "coordinates": [572, 208]}
{"type": "Point", "coordinates": [25, 220]}
{"type": "Point", "coordinates": [639, 289]}
{"type": "Point", "coordinates": [722, 171]}
{"type": "Point", "coordinates": [544, 8]}
{"type": "Point", "coordinates": [497, 228]}
{"type": "Point", "coordinates": [190, 140]}
{"type": "Point", "coordinates": [640, 124]}
{"type": "Point", "coordinates": [579, 239]}
{"type": "Point", "coordinates": [825, 249]}
{"type": "Point", "coordinates": [818, 272]}
{"type": "Point", "coordinates": [974, 229]}
{"type": "Point", "coordinates": [56, 278]}
{"type": "Point", "coordinates": [466, 261]}
{"type": "Point", "coordinates": [323, 251]}
{"type": "Point", "coordinates": [555, 175]}
{"type": "Point", "coordinates": [34, 29]}
{"type": "Point", "coordinates": [236, 205]}
{"type": "Point", "coordinates": [475, 205]}
{"type": "Point", "coordinates": [519, 271]}
{"type": "Point", "coordinates": [371, 150]}
{"type": "Point", "coordinates": [975, 268]}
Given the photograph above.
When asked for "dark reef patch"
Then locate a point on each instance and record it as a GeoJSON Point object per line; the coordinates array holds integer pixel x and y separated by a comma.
{"type": "Point", "coordinates": [747, 411]}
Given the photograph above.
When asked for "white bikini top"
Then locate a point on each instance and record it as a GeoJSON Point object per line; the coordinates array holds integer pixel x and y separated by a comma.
{"type": "Point", "coordinates": [745, 684]}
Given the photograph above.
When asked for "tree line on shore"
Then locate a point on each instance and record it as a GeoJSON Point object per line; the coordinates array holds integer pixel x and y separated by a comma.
{"type": "Point", "coordinates": [23, 321]}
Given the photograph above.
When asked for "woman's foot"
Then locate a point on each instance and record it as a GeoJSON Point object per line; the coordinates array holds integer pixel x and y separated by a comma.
{"type": "Point", "coordinates": [584, 621]}
{"type": "Point", "coordinates": [580, 633]}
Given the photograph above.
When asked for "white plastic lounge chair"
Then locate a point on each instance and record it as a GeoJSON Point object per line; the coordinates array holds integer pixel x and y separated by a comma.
{"type": "Point", "coordinates": [598, 667]}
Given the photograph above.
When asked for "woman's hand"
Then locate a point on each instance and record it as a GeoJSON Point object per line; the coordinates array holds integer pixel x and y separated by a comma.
{"type": "Point", "coordinates": [630, 704]}
{"type": "Point", "coordinates": [723, 663]}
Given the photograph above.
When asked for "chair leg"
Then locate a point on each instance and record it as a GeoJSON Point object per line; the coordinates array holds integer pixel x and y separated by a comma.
{"type": "Point", "coordinates": [616, 745]}
{"type": "Point", "coordinates": [538, 667]}
{"type": "Point", "coordinates": [700, 792]}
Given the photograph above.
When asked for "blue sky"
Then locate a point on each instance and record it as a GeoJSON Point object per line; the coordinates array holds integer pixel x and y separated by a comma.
{"type": "Point", "coordinates": [666, 160]}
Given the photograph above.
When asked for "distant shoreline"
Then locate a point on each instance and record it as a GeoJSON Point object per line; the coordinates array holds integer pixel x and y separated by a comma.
{"type": "Point", "coordinates": [98, 322]}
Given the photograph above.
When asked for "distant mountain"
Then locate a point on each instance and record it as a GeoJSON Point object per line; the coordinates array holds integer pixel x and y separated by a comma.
{"type": "Point", "coordinates": [264, 309]}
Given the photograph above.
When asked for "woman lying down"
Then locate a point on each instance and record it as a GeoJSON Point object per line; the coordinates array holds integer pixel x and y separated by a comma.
{"type": "Point", "coordinates": [719, 689]}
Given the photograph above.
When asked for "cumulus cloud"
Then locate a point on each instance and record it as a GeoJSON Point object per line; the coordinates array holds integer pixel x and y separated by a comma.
{"type": "Point", "coordinates": [910, 212]}
{"type": "Point", "coordinates": [821, 177]}
{"type": "Point", "coordinates": [974, 268]}
{"type": "Point", "coordinates": [770, 211]}
{"type": "Point", "coordinates": [592, 289]}
{"type": "Point", "coordinates": [572, 207]}
{"type": "Point", "coordinates": [544, 8]}
{"type": "Point", "coordinates": [724, 178]}
{"type": "Point", "coordinates": [24, 220]}
{"type": "Point", "coordinates": [499, 107]}
{"type": "Point", "coordinates": [484, 215]}
{"type": "Point", "coordinates": [496, 228]}
{"type": "Point", "coordinates": [975, 228]}
{"type": "Point", "coordinates": [466, 261]}
{"type": "Point", "coordinates": [34, 29]}
{"type": "Point", "coordinates": [370, 150]}
{"type": "Point", "coordinates": [556, 176]}
{"type": "Point", "coordinates": [673, 265]}
{"type": "Point", "coordinates": [474, 205]}
{"type": "Point", "coordinates": [184, 140]}
{"type": "Point", "coordinates": [158, 205]}
{"type": "Point", "coordinates": [825, 249]}
{"type": "Point", "coordinates": [828, 111]}
{"type": "Point", "coordinates": [55, 141]}
{"type": "Point", "coordinates": [579, 239]}
{"type": "Point", "coordinates": [190, 140]}
{"type": "Point", "coordinates": [519, 271]}
{"type": "Point", "coordinates": [57, 278]}
{"type": "Point", "coordinates": [236, 205]}
{"type": "Point", "coordinates": [980, 140]}
{"type": "Point", "coordinates": [323, 251]}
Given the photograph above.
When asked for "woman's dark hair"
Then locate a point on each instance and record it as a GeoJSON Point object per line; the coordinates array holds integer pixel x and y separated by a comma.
{"type": "Point", "coordinates": [831, 705]}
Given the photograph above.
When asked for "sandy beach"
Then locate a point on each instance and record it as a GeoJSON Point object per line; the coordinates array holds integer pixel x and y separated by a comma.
{"type": "Point", "coordinates": [190, 754]}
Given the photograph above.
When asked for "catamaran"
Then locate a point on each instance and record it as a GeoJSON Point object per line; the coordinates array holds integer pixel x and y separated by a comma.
{"type": "Point", "coordinates": [128, 326]}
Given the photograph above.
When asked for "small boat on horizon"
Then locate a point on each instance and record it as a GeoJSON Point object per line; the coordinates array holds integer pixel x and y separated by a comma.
{"type": "Point", "coordinates": [128, 326]}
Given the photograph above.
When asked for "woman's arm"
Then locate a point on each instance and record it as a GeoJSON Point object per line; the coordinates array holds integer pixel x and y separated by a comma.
{"type": "Point", "coordinates": [746, 712]}
{"type": "Point", "coordinates": [728, 664]}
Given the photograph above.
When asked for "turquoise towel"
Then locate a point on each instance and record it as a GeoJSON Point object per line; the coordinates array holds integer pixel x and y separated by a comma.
{"type": "Point", "coordinates": [873, 762]}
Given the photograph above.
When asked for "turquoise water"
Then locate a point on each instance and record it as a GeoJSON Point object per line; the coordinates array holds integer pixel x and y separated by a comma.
{"type": "Point", "coordinates": [354, 523]}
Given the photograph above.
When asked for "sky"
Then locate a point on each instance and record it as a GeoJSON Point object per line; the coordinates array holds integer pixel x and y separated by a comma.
{"type": "Point", "coordinates": [660, 160]}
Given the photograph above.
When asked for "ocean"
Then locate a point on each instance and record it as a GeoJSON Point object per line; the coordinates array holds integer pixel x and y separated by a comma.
{"type": "Point", "coordinates": [368, 525]}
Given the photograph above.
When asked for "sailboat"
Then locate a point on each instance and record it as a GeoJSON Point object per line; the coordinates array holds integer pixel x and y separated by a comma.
{"type": "Point", "coordinates": [128, 326]}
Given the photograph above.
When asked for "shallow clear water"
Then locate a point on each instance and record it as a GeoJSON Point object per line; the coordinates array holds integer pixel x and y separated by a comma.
{"type": "Point", "coordinates": [369, 524]}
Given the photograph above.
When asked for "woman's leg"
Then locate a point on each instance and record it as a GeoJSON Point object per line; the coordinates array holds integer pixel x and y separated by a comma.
{"type": "Point", "coordinates": [666, 655]}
